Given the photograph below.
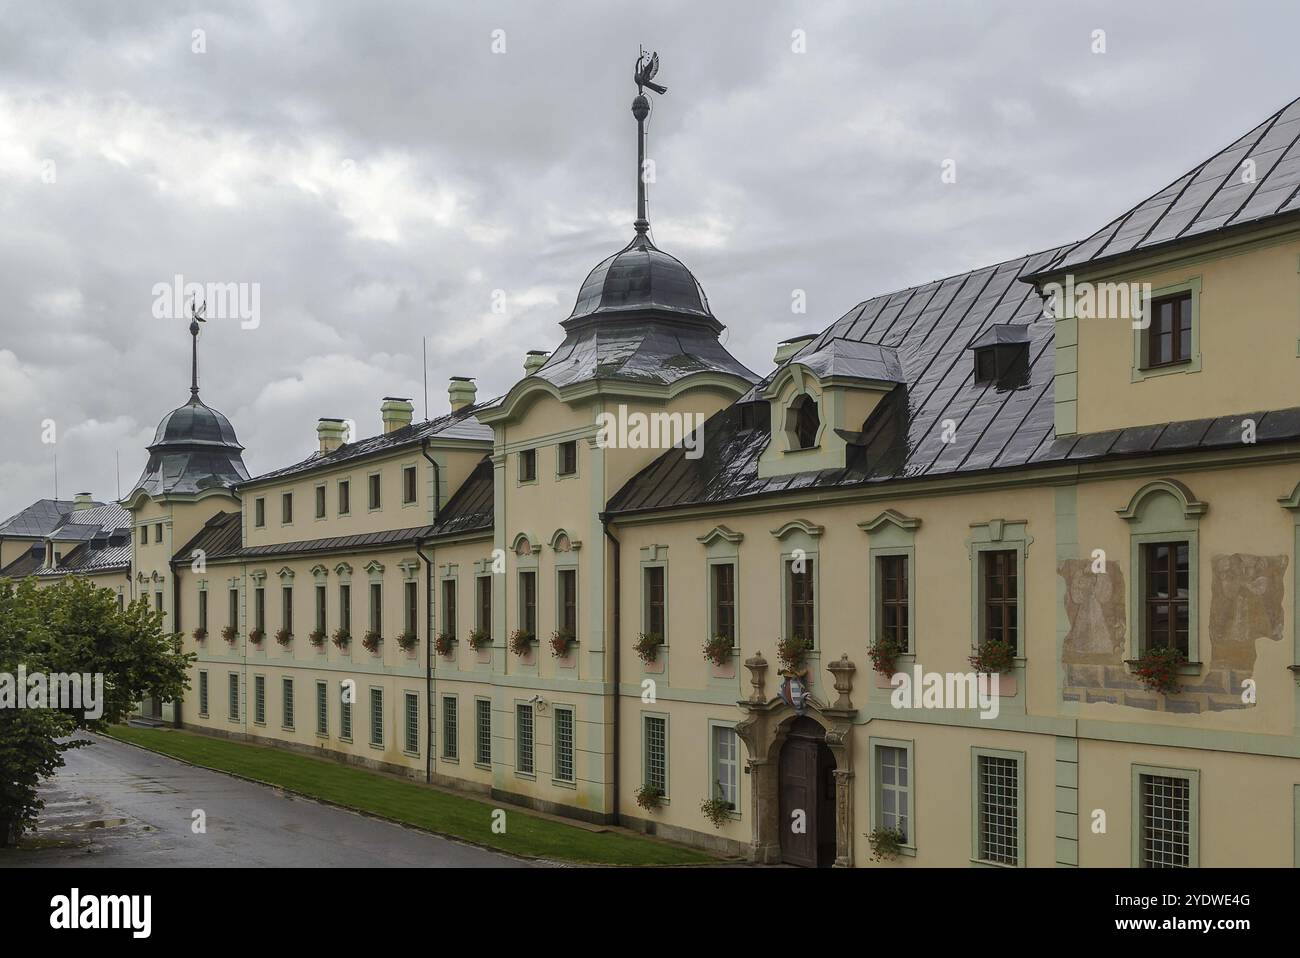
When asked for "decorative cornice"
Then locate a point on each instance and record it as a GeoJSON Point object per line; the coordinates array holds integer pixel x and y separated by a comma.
{"type": "Point", "coordinates": [1191, 506]}
{"type": "Point", "coordinates": [1292, 501]}
{"type": "Point", "coordinates": [891, 517]}
{"type": "Point", "coordinates": [720, 532]}
{"type": "Point", "coordinates": [798, 525]}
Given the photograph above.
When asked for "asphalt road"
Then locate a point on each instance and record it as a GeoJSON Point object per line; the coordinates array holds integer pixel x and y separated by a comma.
{"type": "Point", "coordinates": [114, 805]}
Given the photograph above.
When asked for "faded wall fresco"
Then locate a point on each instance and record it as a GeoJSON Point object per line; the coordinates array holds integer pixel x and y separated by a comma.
{"type": "Point", "coordinates": [1246, 593]}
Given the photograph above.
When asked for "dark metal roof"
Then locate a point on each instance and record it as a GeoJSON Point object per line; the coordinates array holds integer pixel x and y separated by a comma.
{"type": "Point", "coordinates": [26, 564]}
{"type": "Point", "coordinates": [194, 450]}
{"type": "Point", "coordinates": [930, 327]}
{"type": "Point", "coordinates": [471, 507]}
{"type": "Point", "coordinates": [106, 519]}
{"type": "Point", "coordinates": [639, 277]}
{"type": "Point", "coordinates": [91, 558]}
{"type": "Point", "coordinates": [1213, 196]}
{"type": "Point", "coordinates": [852, 359]}
{"type": "Point", "coordinates": [39, 519]}
{"type": "Point", "coordinates": [454, 425]}
{"type": "Point", "coordinates": [368, 540]}
{"type": "Point", "coordinates": [649, 352]}
{"type": "Point", "coordinates": [221, 535]}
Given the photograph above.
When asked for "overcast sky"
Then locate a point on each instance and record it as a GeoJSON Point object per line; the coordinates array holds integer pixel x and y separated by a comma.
{"type": "Point", "coordinates": [376, 170]}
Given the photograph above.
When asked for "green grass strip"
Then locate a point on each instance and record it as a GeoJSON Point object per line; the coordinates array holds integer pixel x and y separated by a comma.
{"type": "Point", "coordinates": [411, 803]}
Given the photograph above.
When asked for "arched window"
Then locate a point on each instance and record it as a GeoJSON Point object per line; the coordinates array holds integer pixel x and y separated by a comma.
{"type": "Point", "coordinates": [804, 422]}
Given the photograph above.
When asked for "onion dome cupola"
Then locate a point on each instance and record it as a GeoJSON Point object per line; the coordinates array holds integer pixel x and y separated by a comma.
{"type": "Point", "coordinates": [641, 315]}
{"type": "Point", "coordinates": [194, 450]}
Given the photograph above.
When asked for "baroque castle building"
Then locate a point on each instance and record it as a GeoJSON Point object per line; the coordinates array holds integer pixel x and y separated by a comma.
{"type": "Point", "coordinates": [503, 601]}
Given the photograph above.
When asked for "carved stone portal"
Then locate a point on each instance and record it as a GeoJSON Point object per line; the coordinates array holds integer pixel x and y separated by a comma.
{"type": "Point", "coordinates": [763, 730]}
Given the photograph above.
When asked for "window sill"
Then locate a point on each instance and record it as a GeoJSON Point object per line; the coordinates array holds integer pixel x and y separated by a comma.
{"type": "Point", "coordinates": [561, 783]}
{"type": "Point", "coordinates": [1190, 668]}
{"type": "Point", "coordinates": [983, 863]}
{"type": "Point", "coordinates": [407, 752]}
{"type": "Point", "coordinates": [453, 759]}
{"type": "Point", "coordinates": [486, 766]}
{"type": "Point", "coordinates": [530, 776]}
{"type": "Point", "coordinates": [377, 748]}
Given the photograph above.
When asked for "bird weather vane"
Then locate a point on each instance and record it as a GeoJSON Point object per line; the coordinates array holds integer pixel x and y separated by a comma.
{"type": "Point", "coordinates": [197, 315]}
{"type": "Point", "coordinates": [647, 67]}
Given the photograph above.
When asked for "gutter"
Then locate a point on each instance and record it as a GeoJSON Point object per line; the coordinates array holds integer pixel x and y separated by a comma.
{"type": "Point", "coordinates": [428, 606]}
{"type": "Point", "coordinates": [618, 551]}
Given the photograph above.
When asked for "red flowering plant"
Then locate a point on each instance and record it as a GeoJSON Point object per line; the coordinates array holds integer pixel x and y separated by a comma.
{"type": "Point", "coordinates": [994, 655]}
{"type": "Point", "coordinates": [370, 642]}
{"type": "Point", "coordinates": [791, 653]}
{"type": "Point", "coordinates": [230, 633]}
{"type": "Point", "coordinates": [317, 638]}
{"type": "Point", "coordinates": [200, 635]}
{"type": "Point", "coordinates": [443, 644]}
{"type": "Point", "coordinates": [479, 638]}
{"type": "Point", "coordinates": [647, 646]}
{"type": "Point", "coordinates": [342, 638]}
{"type": "Point", "coordinates": [560, 642]}
{"type": "Point", "coordinates": [284, 636]}
{"type": "Point", "coordinates": [406, 641]}
{"type": "Point", "coordinates": [884, 655]}
{"type": "Point", "coordinates": [256, 636]}
{"type": "Point", "coordinates": [1157, 669]}
{"type": "Point", "coordinates": [718, 649]}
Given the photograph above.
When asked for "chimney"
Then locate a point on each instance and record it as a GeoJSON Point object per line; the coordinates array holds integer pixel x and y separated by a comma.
{"type": "Point", "coordinates": [788, 347]}
{"type": "Point", "coordinates": [82, 500]}
{"type": "Point", "coordinates": [461, 392]}
{"type": "Point", "coordinates": [397, 412]}
{"type": "Point", "coordinates": [534, 360]}
{"type": "Point", "coordinates": [332, 433]}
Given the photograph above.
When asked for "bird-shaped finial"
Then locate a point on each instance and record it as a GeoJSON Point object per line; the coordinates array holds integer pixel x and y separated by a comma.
{"type": "Point", "coordinates": [646, 69]}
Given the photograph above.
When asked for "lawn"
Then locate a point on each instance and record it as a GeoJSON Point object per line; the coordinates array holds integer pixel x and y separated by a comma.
{"type": "Point", "coordinates": [412, 803]}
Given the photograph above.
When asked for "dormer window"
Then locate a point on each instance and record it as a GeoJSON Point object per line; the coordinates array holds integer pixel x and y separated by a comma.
{"type": "Point", "coordinates": [803, 422]}
{"type": "Point", "coordinates": [1002, 357]}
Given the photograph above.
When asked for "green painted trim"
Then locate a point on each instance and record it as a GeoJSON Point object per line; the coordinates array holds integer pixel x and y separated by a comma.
{"type": "Point", "coordinates": [890, 517]}
{"type": "Point", "coordinates": [1193, 777]}
{"type": "Point", "coordinates": [810, 529]}
{"type": "Point", "coordinates": [1163, 511]}
{"type": "Point", "coordinates": [645, 751]}
{"type": "Point", "coordinates": [1067, 802]}
{"type": "Point", "coordinates": [737, 811]}
{"type": "Point", "coordinates": [723, 533]}
{"type": "Point", "coordinates": [874, 624]}
{"type": "Point", "coordinates": [874, 811]}
{"type": "Point", "coordinates": [1191, 506]}
{"type": "Point", "coordinates": [1139, 371]}
{"type": "Point", "coordinates": [1022, 838]}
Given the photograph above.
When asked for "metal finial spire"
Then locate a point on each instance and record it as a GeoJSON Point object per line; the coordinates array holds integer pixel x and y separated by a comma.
{"type": "Point", "coordinates": [196, 317]}
{"type": "Point", "coordinates": [647, 66]}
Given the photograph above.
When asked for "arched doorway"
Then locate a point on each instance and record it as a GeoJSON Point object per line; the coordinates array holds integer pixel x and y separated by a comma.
{"type": "Point", "coordinates": [806, 786]}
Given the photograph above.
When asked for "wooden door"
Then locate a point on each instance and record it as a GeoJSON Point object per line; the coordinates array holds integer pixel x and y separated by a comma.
{"type": "Point", "coordinates": [799, 793]}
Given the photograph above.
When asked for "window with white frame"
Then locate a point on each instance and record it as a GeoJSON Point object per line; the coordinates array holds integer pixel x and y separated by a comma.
{"type": "Point", "coordinates": [893, 790]}
{"type": "Point", "coordinates": [345, 715]}
{"type": "Point", "coordinates": [483, 732]}
{"type": "Point", "coordinates": [1165, 839]}
{"type": "Point", "coordinates": [322, 709]}
{"type": "Point", "coordinates": [376, 716]}
{"type": "Point", "coordinates": [998, 808]}
{"type": "Point", "coordinates": [286, 686]}
{"type": "Point", "coordinates": [233, 686]}
{"type": "Point", "coordinates": [259, 699]}
{"type": "Point", "coordinates": [656, 753]}
{"type": "Point", "coordinates": [726, 780]}
{"type": "Point", "coordinates": [564, 744]}
{"type": "Point", "coordinates": [450, 728]}
{"type": "Point", "coordinates": [524, 739]}
{"type": "Point", "coordinates": [203, 694]}
{"type": "Point", "coordinates": [412, 726]}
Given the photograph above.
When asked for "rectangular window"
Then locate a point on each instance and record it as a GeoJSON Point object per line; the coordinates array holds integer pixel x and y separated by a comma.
{"type": "Point", "coordinates": [1000, 597]}
{"type": "Point", "coordinates": [233, 611]}
{"type": "Point", "coordinates": [345, 715]}
{"type": "Point", "coordinates": [998, 807]}
{"type": "Point", "coordinates": [157, 532]}
{"type": "Point", "coordinates": [564, 744]}
{"type": "Point", "coordinates": [376, 716]}
{"type": "Point", "coordinates": [802, 622]}
{"type": "Point", "coordinates": [894, 600]}
{"type": "Point", "coordinates": [203, 694]}
{"type": "Point", "coordinates": [286, 686]}
{"type": "Point", "coordinates": [320, 502]}
{"type": "Point", "coordinates": [569, 601]}
{"type": "Point", "coordinates": [483, 732]}
{"type": "Point", "coordinates": [1166, 815]}
{"type": "Point", "coordinates": [1169, 337]}
{"type": "Point", "coordinates": [345, 607]}
{"type": "Point", "coordinates": [376, 608]}
{"type": "Point", "coordinates": [654, 600]}
{"type": "Point", "coordinates": [528, 602]}
{"type": "Point", "coordinates": [524, 739]}
{"type": "Point", "coordinates": [286, 604]}
{"type": "Point", "coordinates": [374, 491]}
{"type": "Point", "coordinates": [286, 507]}
{"type": "Point", "coordinates": [726, 766]}
{"type": "Point", "coordinates": [259, 609]}
{"type": "Point", "coordinates": [449, 606]}
{"type": "Point", "coordinates": [411, 606]}
{"type": "Point", "coordinates": [528, 465]}
{"type": "Point", "coordinates": [320, 609]}
{"type": "Point", "coordinates": [259, 512]}
{"type": "Point", "coordinates": [411, 728]}
{"type": "Point", "coordinates": [893, 784]}
{"type": "Point", "coordinates": [724, 601]}
{"type": "Point", "coordinates": [158, 601]}
{"type": "Point", "coordinates": [322, 709]}
{"type": "Point", "coordinates": [203, 610]}
{"type": "Point", "coordinates": [568, 463]}
{"type": "Point", "coordinates": [450, 731]}
{"type": "Point", "coordinates": [345, 503]}
{"type": "Point", "coordinates": [484, 586]}
{"type": "Point", "coordinates": [259, 699]}
{"type": "Point", "coordinates": [656, 753]}
{"type": "Point", "coordinates": [233, 686]}
{"type": "Point", "coordinates": [144, 535]}
{"type": "Point", "coordinates": [408, 484]}
{"type": "Point", "coordinates": [1167, 599]}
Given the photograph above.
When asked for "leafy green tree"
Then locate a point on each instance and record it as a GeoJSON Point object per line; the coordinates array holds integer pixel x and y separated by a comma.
{"type": "Point", "coordinates": [73, 627]}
